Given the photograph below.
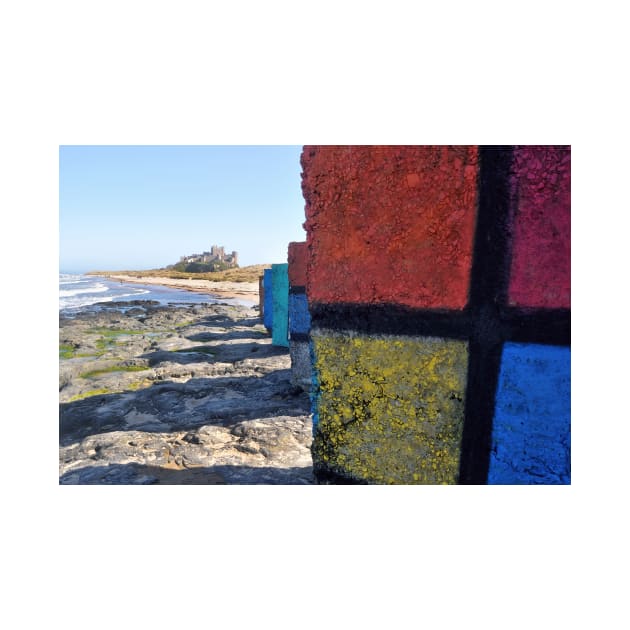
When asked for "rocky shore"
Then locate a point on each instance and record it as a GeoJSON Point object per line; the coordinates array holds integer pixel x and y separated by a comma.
{"type": "Point", "coordinates": [178, 395]}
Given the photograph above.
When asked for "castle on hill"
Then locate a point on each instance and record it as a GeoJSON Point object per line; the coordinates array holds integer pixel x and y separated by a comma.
{"type": "Point", "coordinates": [216, 254]}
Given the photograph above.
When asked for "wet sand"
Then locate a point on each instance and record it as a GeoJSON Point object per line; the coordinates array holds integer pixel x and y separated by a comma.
{"type": "Point", "coordinates": [239, 290]}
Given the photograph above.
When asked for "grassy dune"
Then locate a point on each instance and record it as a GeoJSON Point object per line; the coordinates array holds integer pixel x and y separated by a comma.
{"type": "Point", "coordinates": [240, 274]}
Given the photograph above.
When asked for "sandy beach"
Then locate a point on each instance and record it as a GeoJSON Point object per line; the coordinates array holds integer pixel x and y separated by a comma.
{"type": "Point", "coordinates": [239, 290]}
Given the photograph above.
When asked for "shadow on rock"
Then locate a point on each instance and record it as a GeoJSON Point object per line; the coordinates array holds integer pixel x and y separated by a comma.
{"type": "Point", "coordinates": [223, 352]}
{"type": "Point", "coordinates": [139, 474]}
{"type": "Point", "coordinates": [169, 406]}
{"type": "Point", "coordinates": [229, 334]}
{"type": "Point", "coordinates": [214, 320]}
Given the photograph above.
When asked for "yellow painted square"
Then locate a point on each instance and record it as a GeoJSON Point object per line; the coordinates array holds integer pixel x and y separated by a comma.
{"type": "Point", "coordinates": [390, 408]}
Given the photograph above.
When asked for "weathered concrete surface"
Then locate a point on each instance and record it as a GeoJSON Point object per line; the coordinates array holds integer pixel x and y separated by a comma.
{"type": "Point", "coordinates": [301, 370]}
{"type": "Point", "coordinates": [390, 224]}
{"type": "Point", "coordinates": [541, 258]}
{"type": "Point", "coordinates": [299, 316]}
{"type": "Point", "coordinates": [389, 409]}
{"type": "Point", "coordinates": [189, 395]}
{"type": "Point", "coordinates": [392, 233]}
{"type": "Point", "coordinates": [531, 437]}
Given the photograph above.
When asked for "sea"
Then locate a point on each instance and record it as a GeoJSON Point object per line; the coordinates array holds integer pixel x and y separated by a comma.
{"type": "Point", "coordinates": [79, 292]}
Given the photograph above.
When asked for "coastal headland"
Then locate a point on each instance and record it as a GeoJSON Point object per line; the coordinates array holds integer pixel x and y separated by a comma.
{"type": "Point", "coordinates": [153, 394]}
{"type": "Point", "coordinates": [240, 283]}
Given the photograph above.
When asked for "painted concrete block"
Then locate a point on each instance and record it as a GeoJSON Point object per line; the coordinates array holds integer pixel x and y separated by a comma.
{"type": "Point", "coordinates": [261, 297]}
{"type": "Point", "coordinates": [280, 290]}
{"type": "Point", "coordinates": [541, 258]}
{"type": "Point", "coordinates": [390, 224]}
{"type": "Point", "coordinates": [389, 409]}
{"type": "Point", "coordinates": [390, 237]}
{"type": "Point", "coordinates": [299, 317]}
{"type": "Point", "coordinates": [268, 304]}
{"type": "Point", "coordinates": [300, 364]}
{"type": "Point", "coordinates": [299, 329]}
{"type": "Point", "coordinates": [297, 256]}
{"type": "Point", "coordinates": [531, 438]}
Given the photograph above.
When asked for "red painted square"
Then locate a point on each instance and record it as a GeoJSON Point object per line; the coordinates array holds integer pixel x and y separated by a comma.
{"type": "Point", "coordinates": [541, 250]}
{"type": "Point", "coordinates": [297, 264]}
{"type": "Point", "coordinates": [390, 224]}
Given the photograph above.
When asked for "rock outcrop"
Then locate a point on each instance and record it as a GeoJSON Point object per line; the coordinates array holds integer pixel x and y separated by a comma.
{"type": "Point", "coordinates": [171, 395]}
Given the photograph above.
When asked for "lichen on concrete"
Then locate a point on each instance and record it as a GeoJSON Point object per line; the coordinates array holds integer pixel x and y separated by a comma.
{"type": "Point", "coordinates": [389, 409]}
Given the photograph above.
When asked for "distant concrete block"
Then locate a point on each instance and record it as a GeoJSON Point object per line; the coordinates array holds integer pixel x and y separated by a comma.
{"type": "Point", "coordinates": [280, 289]}
{"type": "Point", "coordinates": [268, 303]}
{"type": "Point", "coordinates": [261, 297]}
{"type": "Point", "coordinates": [299, 317]}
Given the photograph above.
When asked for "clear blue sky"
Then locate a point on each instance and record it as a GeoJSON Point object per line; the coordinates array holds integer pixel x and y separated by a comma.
{"type": "Point", "coordinates": [142, 207]}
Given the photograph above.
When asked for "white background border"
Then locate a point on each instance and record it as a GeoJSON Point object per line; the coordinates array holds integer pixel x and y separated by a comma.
{"type": "Point", "coordinates": [303, 73]}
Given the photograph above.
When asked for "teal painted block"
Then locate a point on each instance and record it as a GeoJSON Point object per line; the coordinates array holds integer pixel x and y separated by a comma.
{"type": "Point", "coordinates": [280, 288]}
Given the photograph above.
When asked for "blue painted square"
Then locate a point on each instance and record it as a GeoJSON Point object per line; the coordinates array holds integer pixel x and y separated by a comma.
{"type": "Point", "coordinates": [268, 303]}
{"type": "Point", "coordinates": [299, 317]}
{"type": "Point", "coordinates": [531, 435]}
